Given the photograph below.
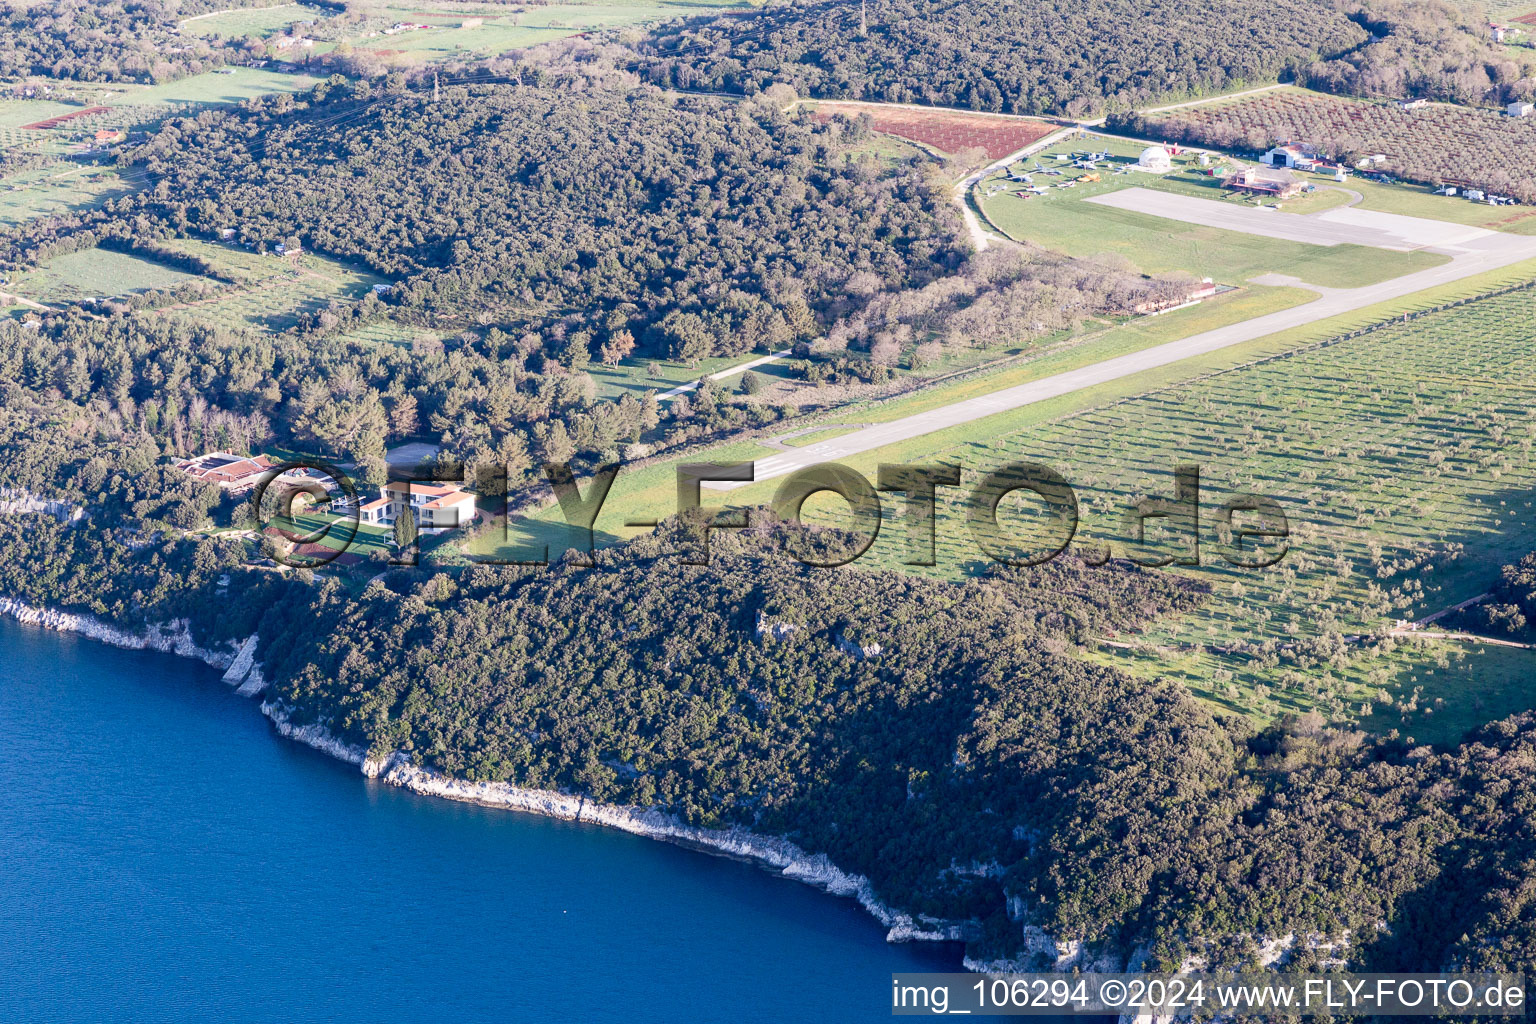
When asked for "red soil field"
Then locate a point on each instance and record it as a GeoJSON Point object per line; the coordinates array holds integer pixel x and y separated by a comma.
{"type": "Point", "coordinates": [54, 122]}
{"type": "Point", "coordinates": [1526, 19]}
{"type": "Point", "coordinates": [948, 131]}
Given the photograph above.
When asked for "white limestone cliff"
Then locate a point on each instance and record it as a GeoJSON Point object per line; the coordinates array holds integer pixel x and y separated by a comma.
{"type": "Point", "coordinates": [174, 637]}
{"type": "Point", "coordinates": [781, 854]}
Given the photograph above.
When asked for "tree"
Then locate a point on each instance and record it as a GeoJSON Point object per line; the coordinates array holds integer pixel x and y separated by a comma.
{"type": "Point", "coordinates": [555, 444]}
{"type": "Point", "coordinates": [405, 528]}
{"type": "Point", "coordinates": [619, 344]}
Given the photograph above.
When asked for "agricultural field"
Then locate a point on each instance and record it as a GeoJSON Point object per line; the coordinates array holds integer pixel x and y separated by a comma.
{"type": "Point", "coordinates": [1061, 220]}
{"type": "Point", "coordinates": [61, 188]}
{"type": "Point", "coordinates": [251, 22]}
{"type": "Point", "coordinates": [277, 290]}
{"type": "Point", "coordinates": [236, 86]}
{"type": "Point", "coordinates": [95, 273]}
{"type": "Point", "coordinates": [459, 29]}
{"type": "Point", "coordinates": [1433, 144]}
{"type": "Point", "coordinates": [946, 131]}
{"type": "Point", "coordinates": [1402, 459]}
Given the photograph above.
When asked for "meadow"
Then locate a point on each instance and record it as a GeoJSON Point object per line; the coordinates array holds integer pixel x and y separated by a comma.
{"type": "Point", "coordinates": [61, 188]}
{"type": "Point", "coordinates": [96, 273]}
{"type": "Point", "coordinates": [252, 22]}
{"type": "Point", "coordinates": [276, 290]}
{"type": "Point", "coordinates": [461, 29]}
{"type": "Point", "coordinates": [1062, 221]}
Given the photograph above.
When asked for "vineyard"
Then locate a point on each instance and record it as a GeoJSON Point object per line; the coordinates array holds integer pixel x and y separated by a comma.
{"type": "Point", "coordinates": [1402, 458]}
{"type": "Point", "coordinates": [1434, 144]}
{"type": "Point", "coordinates": [55, 121]}
{"type": "Point", "coordinates": [947, 131]}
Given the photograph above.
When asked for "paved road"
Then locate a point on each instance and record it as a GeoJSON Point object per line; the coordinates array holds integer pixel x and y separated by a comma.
{"type": "Point", "coordinates": [1474, 256]}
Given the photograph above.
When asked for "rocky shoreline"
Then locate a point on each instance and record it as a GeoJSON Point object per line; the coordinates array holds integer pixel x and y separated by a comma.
{"type": "Point", "coordinates": [238, 663]}
{"type": "Point", "coordinates": [780, 855]}
{"type": "Point", "coordinates": [1040, 950]}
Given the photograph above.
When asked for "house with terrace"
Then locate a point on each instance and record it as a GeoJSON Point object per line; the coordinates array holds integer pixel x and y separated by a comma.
{"type": "Point", "coordinates": [434, 506]}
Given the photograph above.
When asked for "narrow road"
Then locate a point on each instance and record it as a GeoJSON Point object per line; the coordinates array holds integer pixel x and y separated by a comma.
{"type": "Point", "coordinates": [1443, 612]}
{"type": "Point", "coordinates": [1466, 638]}
{"type": "Point", "coordinates": [7, 297]}
{"type": "Point", "coordinates": [979, 234]}
{"type": "Point", "coordinates": [729, 371]}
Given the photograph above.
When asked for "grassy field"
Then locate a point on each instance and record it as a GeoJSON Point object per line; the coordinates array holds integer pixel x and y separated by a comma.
{"type": "Point", "coordinates": [95, 273]}
{"type": "Point", "coordinates": [1418, 201]}
{"type": "Point", "coordinates": [60, 189]}
{"type": "Point", "coordinates": [278, 290]}
{"type": "Point", "coordinates": [340, 533]}
{"type": "Point", "coordinates": [1062, 221]}
{"type": "Point", "coordinates": [499, 28]}
{"type": "Point", "coordinates": [253, 22]}
{"type": "Point", "coordinates": [236, 86]}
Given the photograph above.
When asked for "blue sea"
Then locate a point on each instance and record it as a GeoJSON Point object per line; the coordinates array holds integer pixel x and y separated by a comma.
{"type": "Point", "coordinates": [166, 856]}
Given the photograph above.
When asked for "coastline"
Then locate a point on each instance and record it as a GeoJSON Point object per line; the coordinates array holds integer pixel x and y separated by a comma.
{"type": "Point", "coordinates": [778, 855]}
{"type": "Point", "coordinates": [1040, 950]}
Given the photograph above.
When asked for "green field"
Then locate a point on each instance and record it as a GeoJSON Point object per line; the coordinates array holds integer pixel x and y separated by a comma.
{"type": "Point", "coordinates": [1403, 459]}
{"type": "Point", "coordinates": [340, 533]}
{"type": "Point", "coordinates": [15, 113]}
{"type": "Point", "coordinates": [276, 290]}
{"type": "Point", "coordinates": [501, 29]}
{"type": "Point", "coordinates": [252, 22]}
{"type": "Point", "coordinates": [95, 273]}
{"type": "Point", "coordinates": [1062, 221]}
{"type": "Point", "coordinates": [235, 86]}
{"type": "Point", "coordinates": [60, 189]}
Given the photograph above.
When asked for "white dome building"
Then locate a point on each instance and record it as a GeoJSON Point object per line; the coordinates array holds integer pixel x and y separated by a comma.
{"type": "Point", "coordinates": [1155, 159]}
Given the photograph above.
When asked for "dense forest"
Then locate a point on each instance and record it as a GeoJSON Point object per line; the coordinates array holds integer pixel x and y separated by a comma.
{"type": "Point", "coordinates": [1430, 48]}
{"type": "Point", "coordinates": [108, 40]}
{"type": "Point", "coordinates": [552, 234]}
{"type": "Point", "coordinates": [1040, 57]}
{"type": "Point", "coordinates": [694, 227]}
{"type": "Point", "coordinates": [974, 768]}
{"type": "Point", "coordinates": [1031, 57]}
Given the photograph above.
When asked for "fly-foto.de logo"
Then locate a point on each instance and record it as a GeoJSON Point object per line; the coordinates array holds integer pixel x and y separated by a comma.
{"type": "Point", "coordinates": [1021, 513]}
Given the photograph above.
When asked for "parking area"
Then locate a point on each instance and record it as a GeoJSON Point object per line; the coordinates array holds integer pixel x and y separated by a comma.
{"type": "Point", "coordinates": [1333, 227]}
